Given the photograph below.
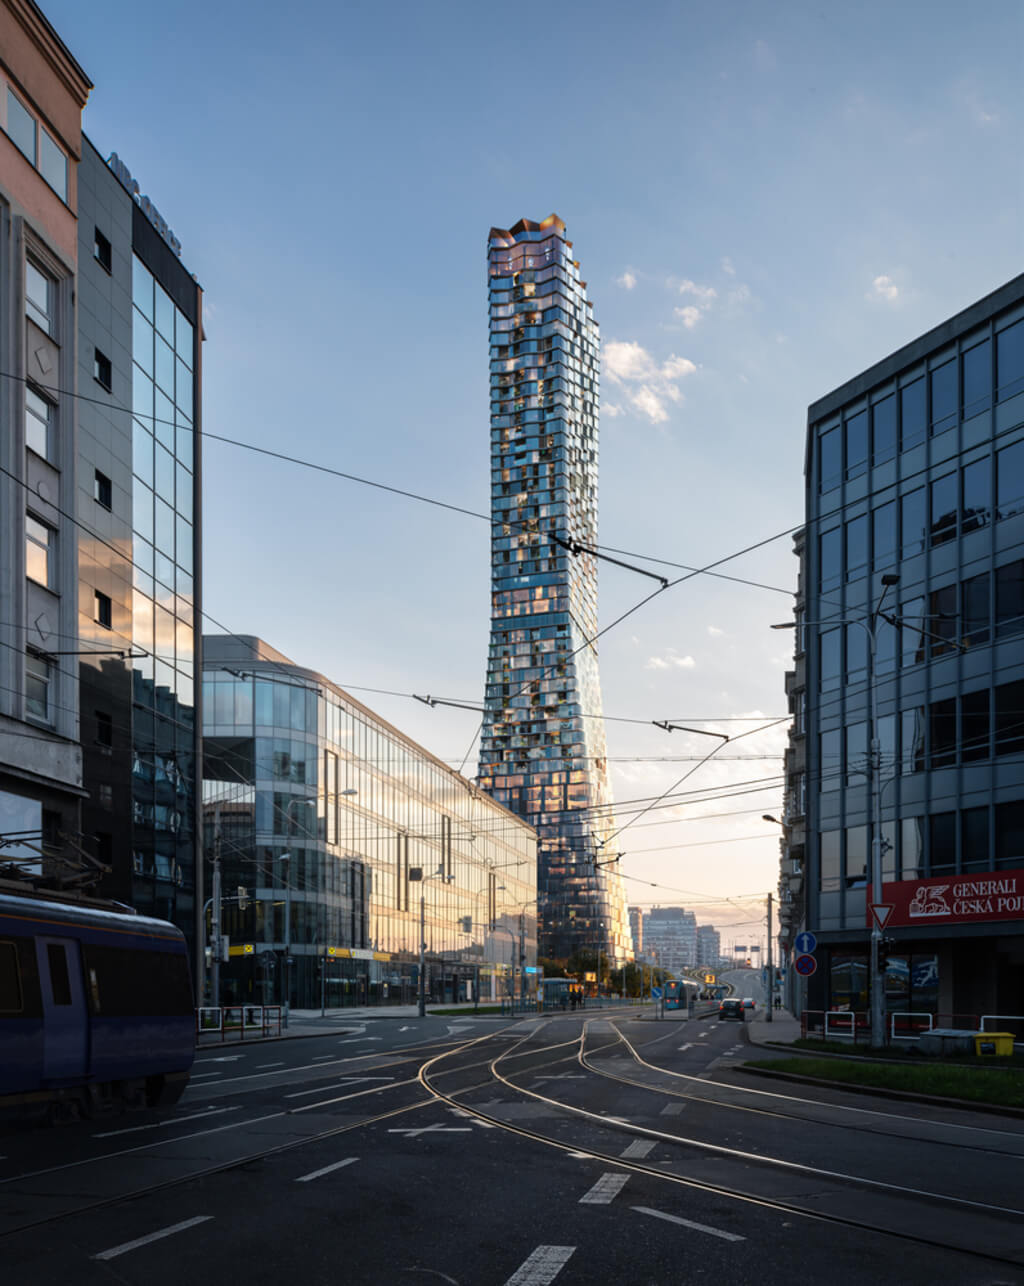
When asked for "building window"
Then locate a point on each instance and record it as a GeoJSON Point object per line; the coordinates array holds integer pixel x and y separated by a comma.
{"type": "Point", "coordinates": [103, 492]}
{"type": "Point", "coordinates": [942, 380]}
{"type": "Point", "coordinates": [1010, 478]}
{"type": "Point", "coordinates": [21, 127]}
{"type": "Point", "coordinates": [884, 544]}
{"type": "Point", "coordinates": [1010, 360]}
{"type": "Point", "coordinates": [976, 371]}
{"type": "Point", "coordinates": [1010, 835]}
{"type": "Point", "coordinates": [829, 644]}
{"type": "Point", "coordinates": [913, 521]}
{"type": "Point", "coordinates": [1010, 598]}
{"type": "Point", "coordinates": [1009, 717]}
{"type": "Point", "coordinates": [856, 547]}
{"type": "Point", "coordinates": [102, 370]}
{"type": "Point", "coordinates": [913, 414]}
{"type": "Point", "coordinates": [53, 165]}
{"type": "Point", "coordinates": [102, 613]}
{"type": "Point", "coordinates": [943, 624]}
{"type": "Point", "coordinates": [830, 557]}
{"type": "Point", "coordinates": [943, 508]}
{"type": "Point", "coordinates": [101, 250]}
{"type": "Point", "coordinates": [104, 729]}
{"type": "Point", "coordinates": [974, 846]}
{"type": "Point", "coordinates": [39, 297]}
{"type": "Point", "coordinates": [857, 444]}
{"type": "Point", "coordinates": [39, 545]}
{"type": "Point", "coordinates": [38, 673]}
{"type": "Point", "coordinates": [883, 430]}
{"type": "Point", "coordinates": [38, 419]}
{"type": "Point", "coordinates": [976, 499]}
{"type": "Point", "coordinates": [829, 465]}
{"type": "Point", "coordinates": [974, 725]}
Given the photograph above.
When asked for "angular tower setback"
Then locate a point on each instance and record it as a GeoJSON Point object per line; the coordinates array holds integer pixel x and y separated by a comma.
{"type": "Point", "coordinates": [543, 749]}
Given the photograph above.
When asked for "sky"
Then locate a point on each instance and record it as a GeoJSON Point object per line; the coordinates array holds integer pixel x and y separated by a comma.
{"type": "Point", "coordinates": [764, 200]}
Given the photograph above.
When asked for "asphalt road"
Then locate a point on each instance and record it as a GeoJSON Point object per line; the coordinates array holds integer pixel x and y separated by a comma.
{"type": "Point", "coordinates": [576, 1149]}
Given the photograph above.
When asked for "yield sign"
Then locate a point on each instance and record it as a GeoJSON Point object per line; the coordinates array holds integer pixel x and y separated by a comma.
{"type": "Point", "coordinates": [881, 911]}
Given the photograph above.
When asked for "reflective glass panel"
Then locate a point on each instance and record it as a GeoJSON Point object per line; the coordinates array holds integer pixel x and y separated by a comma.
{"type": "Point", "coordinates": [912, 414]}
{"type": "Point", "coordinates": [977, 377]}
{"type": "Point", "coordinates": [1010, 479]}
{"type": "Point", "coordinates": [1010, 360]}
{"type": "Point", "coordinates": [53, 165]}
{"type": "Point", "coordinates": [883, 429]}
{"type": "Point", "coordinates": [977, 495]}
{"type": "Point", "coordinates": [944, 400]}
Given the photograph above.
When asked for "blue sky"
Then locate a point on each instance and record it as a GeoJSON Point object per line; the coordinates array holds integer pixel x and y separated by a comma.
{"type": "Point", "coordinates": [764, 200]}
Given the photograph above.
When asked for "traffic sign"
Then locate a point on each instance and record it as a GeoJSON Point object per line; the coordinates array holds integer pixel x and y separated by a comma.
{"type": "Point", "coordinates": [805, 944]}
{"type": "Point", "coordinates": [805, 965]}
{"type": "Point", "coordinates": [655, 993]}
{"type": "Point", "coordinates": [881, 911]}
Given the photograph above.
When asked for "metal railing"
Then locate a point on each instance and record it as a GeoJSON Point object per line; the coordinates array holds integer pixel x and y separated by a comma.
{"type": "Point", "coordinates": [231, 1021]}
{"type": "Point", "coordinates": [904, 1026]}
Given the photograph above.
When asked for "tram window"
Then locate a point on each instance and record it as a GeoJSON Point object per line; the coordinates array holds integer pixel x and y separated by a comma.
{"type": "Point", "coordinates": [60, 983]}
{"type": "Point", "coordinates": [125, 982]}
{"type": "Point", "coordinates": [11, 1000]}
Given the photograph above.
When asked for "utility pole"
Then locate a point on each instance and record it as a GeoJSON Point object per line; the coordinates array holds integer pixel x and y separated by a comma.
{"type": "Point", "coordinates": [423, 952]}
{"type": "Point", "coordinates": [771, 966]}
{"type": "Point", "coordinates": [287, 859]}
{"type": "Point", "coordinates": [215, 936]}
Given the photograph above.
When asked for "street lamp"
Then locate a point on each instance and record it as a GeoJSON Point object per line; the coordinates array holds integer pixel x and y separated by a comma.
{"type": "Point", "coordinates": [870, 628]}
{"type": "Point", "coordinates": [416, 876]}
{"type": "Point", "coordinates": [287, 858]}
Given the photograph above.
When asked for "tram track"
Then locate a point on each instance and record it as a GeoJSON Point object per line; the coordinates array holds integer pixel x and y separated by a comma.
{"type": "Point", "coordinates": [890, 1191]}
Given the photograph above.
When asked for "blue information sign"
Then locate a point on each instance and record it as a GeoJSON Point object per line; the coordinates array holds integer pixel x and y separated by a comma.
{"type": "Point", "coordinates": [805, 944]}
{"type": "Point", "coordinates": [655, 993]}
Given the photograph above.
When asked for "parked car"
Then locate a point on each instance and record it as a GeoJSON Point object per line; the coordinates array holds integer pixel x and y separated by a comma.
{"type": "Point", "coordinates": [731, 1008]}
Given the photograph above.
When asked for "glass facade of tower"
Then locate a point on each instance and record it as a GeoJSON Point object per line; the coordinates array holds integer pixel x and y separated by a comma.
{"type": "Point", "coordinates": [543, 748]}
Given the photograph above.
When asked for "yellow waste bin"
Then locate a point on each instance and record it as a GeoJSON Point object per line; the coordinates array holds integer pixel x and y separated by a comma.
{"type": "Point", "coordinates": [993, 1044]}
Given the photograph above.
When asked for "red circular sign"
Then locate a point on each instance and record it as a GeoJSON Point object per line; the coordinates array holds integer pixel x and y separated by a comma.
{"type": "Point", "coordinates": [805, 965]}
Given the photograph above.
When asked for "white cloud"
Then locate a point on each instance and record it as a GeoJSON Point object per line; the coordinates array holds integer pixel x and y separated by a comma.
{"type": "Point", "coordinates": [704, 293]}
{"type": "Point", "coordinates": [884, 288]}
{"type": "Point", "coordinates": [727, 267]}
{"type": "Point", "coordinates": [627, 281]}
{"type": "Point", "coordinates": [689, 316]}
{"type": "Point", "coordinates": [646, 385]}
{"type": "Point", "coordinates": [670, 661]}
{"type": "Point", "coordinates": [612, 409]}
{"type": "Point", "coordinates": [715, 632]}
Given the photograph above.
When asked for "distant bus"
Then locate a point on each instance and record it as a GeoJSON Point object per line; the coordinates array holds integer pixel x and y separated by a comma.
{"type": "Point", "coordinates": [679, 992]}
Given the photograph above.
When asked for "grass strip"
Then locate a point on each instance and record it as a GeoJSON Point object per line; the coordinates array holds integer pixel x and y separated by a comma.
{"type": "Point", "coordinates": [973, 1085]}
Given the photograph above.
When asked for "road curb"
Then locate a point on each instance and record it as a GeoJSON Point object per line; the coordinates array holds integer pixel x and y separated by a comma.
{"type": "Point", "coordinates": [873, 1091]}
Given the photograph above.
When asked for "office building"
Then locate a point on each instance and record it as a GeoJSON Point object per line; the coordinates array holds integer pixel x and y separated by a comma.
{"type": "Point", "coordinates": [42, 93]}
{"type": "Point", "coordinates": [543, 748]}
{"type": "Point", "coordinates": [138, 507]}
{"type": "Point", "coordinates": [321, 813]}
{"type": "Point", "coordinates": [670, 937]}
{"type": "Point", "coordinates": [636, 931]}
{"type": "Point", "coordinates": [914, 642]}
{"type": "Point", "coordinates": [709, 946]}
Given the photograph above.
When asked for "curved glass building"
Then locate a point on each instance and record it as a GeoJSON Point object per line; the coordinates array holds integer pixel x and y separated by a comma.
{"type": "Point", "coordinates": [543, 749]}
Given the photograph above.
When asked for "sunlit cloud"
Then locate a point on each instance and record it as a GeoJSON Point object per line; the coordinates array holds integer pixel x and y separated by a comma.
{"type": "Point", "coordinates": [884, 288]}
{"type": "Point", "coordinates": [627, 281]}
{"type": "Point", "coordinates": [647, 386]}
{"type": "Point", "coordinates": [715, 632]}
{"type": "Point", "coordinates": [670, 661]}
{"type": "Point", "coordinates": [612, 409]}
{"type": "Point", "coordinates": [690, 315]}
{"type": "Point", "coordinates": [704, 293]}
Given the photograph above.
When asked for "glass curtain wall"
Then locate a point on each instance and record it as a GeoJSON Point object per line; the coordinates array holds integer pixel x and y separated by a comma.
{"type": "Point", "coordinates": [320, 811]}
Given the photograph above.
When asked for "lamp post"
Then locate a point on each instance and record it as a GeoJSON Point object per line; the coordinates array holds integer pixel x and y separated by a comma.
{"type": "Point", "coordinates": [287, 859]}
{"type": "Point", "coordinates": [416, 875]}
{"type": "Point", "coordinates": [870, 628]}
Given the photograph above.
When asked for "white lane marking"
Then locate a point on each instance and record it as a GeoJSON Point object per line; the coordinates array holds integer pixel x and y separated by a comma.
{"type": "Point", "coordinates": [605, 1190]}
{"type": "Point", "coordinates": [315, 1174]}
{"type": "Point", "coordinates": [563, 1076]}
{"type": "Point", "coordinates": [159, 1125]}
{"type": "Point", "coordinates": [581, 1156]}
{"type": "Point", "coordinates": [349, 1080]}
{"type": "Point", "coordinates": [689, 1223]}
{"type": "Point", "coordinates": [401, 1029]}
{"type": "Point", "coordinates": [434, 1129]}
{"type": "Point", "coordinates": [542, 1267]}
{"type": "Point", "coordinates": [319, 1057]}
{"type": "Point", "coordinates": [684, 1048]}
{"type": "Point", "coordinates": [672, 1109]}
{"type": "Point", "coordinates": [639, 1148]}
{"type": "Point", "coordinates": [223, 1058]}
{"type": "Point", "coordinates": [198, 1076]}
{"type": "Point", "coordinates": [261, 1066]}
{"type": "Point", "coordinates": [114, 1251]}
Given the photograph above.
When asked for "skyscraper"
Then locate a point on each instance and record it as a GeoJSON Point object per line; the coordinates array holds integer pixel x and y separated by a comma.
{"type": "Point", "coordinates": [543, 748]}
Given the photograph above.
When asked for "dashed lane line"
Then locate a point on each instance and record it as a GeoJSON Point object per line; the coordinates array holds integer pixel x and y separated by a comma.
{"type": "Point", "coordinates": [157, 1125]}
{"type": "Point", "coordinates": [114, 1251]}
{"type": "Point", "coordinates": [263, 1066]}
{"type": "Point", "coordinates": [638, 1149]}
{"type": "Point", "coordinates": [327, 1169]}
{"type": "Point", "coordinates": [605, 1190]}
{"type": "Point", "coordinates": [689, 1223]}
{"type": "Point", "coordinates": [672, 1109]}
{"type": "Point", "coordinates": [542, 1267]}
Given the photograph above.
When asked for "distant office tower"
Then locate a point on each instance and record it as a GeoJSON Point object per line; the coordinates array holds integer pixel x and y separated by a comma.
{"type": "Point", "coordinates": [636, 930]}
{"type": "Point", "coordinates": [709, 945]}
{"type": "Point", "coordinates": [670, 933]}
{"type": "Point", "coordinates": [543, 748]}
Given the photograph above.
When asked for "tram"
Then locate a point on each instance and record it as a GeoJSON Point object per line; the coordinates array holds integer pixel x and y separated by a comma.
{"type": "Point", "coordinates": [680, 993]}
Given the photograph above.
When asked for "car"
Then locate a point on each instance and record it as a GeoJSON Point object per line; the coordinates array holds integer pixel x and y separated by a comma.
{"type": "Point", "coordinates": [732, 1009]}
{"type": "Point", "coordinates": [748, 1003]}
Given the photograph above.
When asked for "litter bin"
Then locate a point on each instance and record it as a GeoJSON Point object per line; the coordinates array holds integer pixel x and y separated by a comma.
{"type": "Point", "coordinates": [993, 1044]}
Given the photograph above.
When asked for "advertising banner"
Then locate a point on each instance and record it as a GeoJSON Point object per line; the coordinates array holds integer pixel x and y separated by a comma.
{"type": "Point", "coordinates": [953, 899]}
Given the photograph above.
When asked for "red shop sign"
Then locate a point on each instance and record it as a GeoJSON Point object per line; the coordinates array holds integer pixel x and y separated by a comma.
{"type": "Point", "coordinates": [954, 899]}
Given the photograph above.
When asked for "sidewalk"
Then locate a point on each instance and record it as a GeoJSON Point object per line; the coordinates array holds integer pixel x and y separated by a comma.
{"type": "Point", "coordinates": [308, 1022]}
{"type": "Point", "coordinates": [782, 1029]}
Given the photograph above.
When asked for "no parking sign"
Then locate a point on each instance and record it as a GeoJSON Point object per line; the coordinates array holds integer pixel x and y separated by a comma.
{"type": "Point", "coordinates": [805, 965]}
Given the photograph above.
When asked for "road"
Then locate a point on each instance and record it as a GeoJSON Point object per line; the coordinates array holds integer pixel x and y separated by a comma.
{"type": "Point", "coordinates": [583, 1148]}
